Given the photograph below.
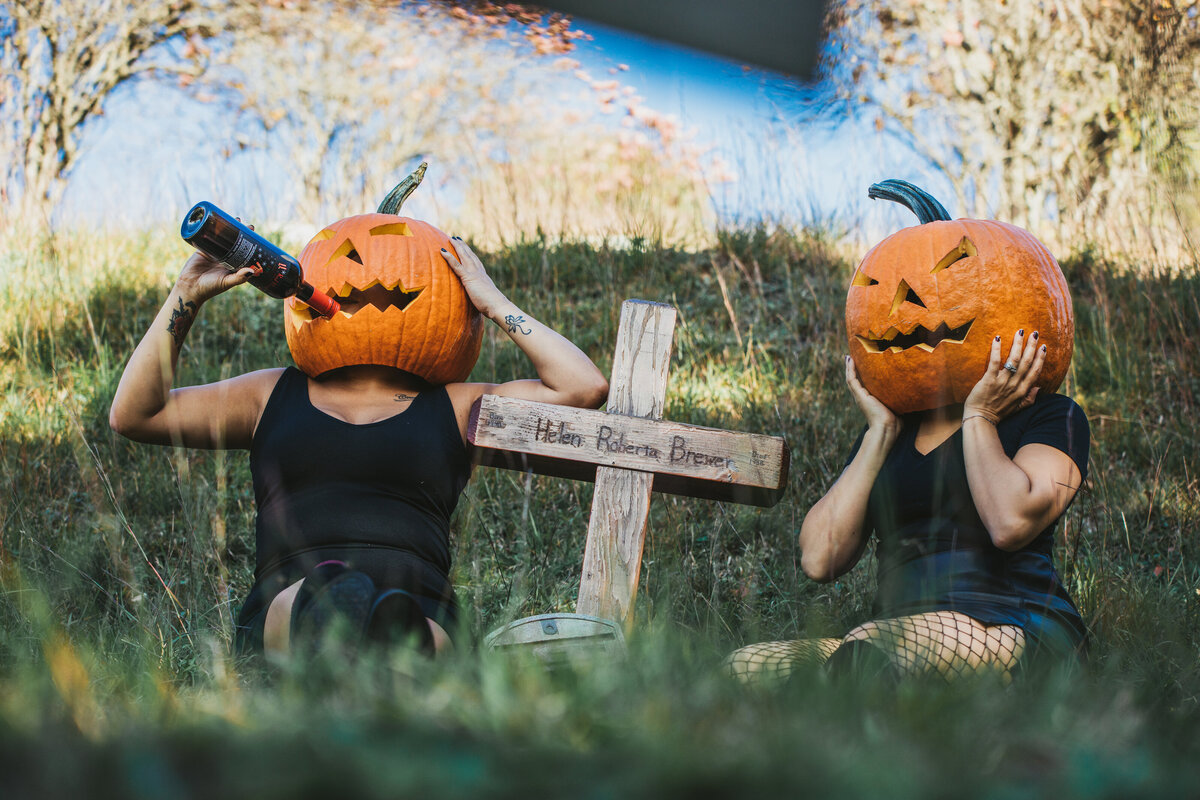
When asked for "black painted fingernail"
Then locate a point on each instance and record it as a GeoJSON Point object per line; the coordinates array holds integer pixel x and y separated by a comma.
{"type": "Point", "coordinates": [1043, 348]}
{"type": "Point", "coordinates": [1021, 332]}
{"type": "Point", "coordinates": [444, 250]}
{"type": "Point", "coordinates": [997, 337]}
{"type": "Point", "coordinates": [1035, 334]}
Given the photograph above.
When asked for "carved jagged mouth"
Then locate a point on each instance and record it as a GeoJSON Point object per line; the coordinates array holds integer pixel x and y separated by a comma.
{"type": "Point", "coordinates": [921, 337]}
{"type": "Point", "coordinates": [352, 299]}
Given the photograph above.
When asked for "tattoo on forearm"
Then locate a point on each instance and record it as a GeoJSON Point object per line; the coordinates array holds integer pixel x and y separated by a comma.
{"type": "Point", "coordinates": [401, 397]}
{"type": "Point", "coordinates": [515, 324]}
{"type": "Point", "coordinates": [181, 320]}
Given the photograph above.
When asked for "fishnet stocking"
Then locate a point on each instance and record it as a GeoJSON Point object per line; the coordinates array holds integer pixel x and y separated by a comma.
{"type": "Point", "coordinates": [772, 662]}
{"type": "Point", "coordinates": [947, 643]}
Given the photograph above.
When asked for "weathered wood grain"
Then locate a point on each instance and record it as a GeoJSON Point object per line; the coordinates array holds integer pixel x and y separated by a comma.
{"type": "Point", "coordinates": [612, 556]}
{"type": "Point", "coordinates": [638, 384]}
{"type": "Point", "coordinates": [686, 459]}
{"type": "Point", "coordinates": [629, 451]}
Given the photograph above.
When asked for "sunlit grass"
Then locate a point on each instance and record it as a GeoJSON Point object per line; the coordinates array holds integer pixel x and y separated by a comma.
{"type": "Point", "coordinates": [123, 564]}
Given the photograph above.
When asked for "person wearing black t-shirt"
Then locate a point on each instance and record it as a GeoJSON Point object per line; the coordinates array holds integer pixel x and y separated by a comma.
{"type": "Point", "coordinates": [356, 472]}
{"type": "Point", "coordinates": [964, 501]}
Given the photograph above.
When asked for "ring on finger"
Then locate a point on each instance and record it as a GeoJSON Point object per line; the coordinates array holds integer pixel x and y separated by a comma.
{"type": "Point", "coordinates": [1011, 367]}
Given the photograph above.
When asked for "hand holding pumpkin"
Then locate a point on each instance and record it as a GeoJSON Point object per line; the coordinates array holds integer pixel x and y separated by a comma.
{"type": "Point", "coordinates": [1010, 386]}
{"type": "Point", "coordinates": [878, 415]}
{"type": "Point", "coordinates": [924, 302]}
{"type": "Point", "coordinates": [476, 282]}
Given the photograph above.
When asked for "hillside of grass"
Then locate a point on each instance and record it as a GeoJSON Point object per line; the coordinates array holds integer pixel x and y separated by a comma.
{"type": "Point", "coordinates": [122, 565]}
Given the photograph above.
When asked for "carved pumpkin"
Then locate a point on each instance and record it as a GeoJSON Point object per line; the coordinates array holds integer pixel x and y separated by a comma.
{"type": "Point", "coordinates": [402, 305]}
{"type": "Point", "coordinates": [926, 302]}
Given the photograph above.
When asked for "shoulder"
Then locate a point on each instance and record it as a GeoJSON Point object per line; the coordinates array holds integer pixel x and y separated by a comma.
{"type": "Point", "coordinates": [1054, 409]}
{"type": "Point", "coordinates": [262, 382]}
{"type": "Point", "coordinates": [463, 395]}
{"type": "Point", "coordinates": [1054, 402]}
{"type": "Point", "coordinates": [1055, 420]}
{"type": "Point", "coordinates": [248, 390]}
{"type": "Point", "coordinates": [255, 389]}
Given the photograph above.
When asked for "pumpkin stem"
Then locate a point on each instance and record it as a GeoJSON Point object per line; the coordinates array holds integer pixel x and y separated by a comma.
{"type": "Point", "coordinates": [396, 197]}
{"type": "Point", "coordinates": [917, 200]}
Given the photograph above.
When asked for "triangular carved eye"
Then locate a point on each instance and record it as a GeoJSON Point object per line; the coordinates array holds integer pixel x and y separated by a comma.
{"type": "Point", "coordinates": [862, 279]}
{"type": "Point", "coordinates": [905, 294]}
{"type": "Point", "coordinates": [964, 249]}
{"type": "Point", "coordinates": [345, 249]}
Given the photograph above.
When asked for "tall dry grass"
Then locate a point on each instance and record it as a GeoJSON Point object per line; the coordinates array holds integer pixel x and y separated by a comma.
{"type": "Point", "coordinates": [123, 564]}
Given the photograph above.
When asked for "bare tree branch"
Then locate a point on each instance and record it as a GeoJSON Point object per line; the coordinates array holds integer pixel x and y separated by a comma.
{"type": "Point", "coordinates": [60, 61]}
{"type": "Point", "coordinates": [1052, 114]}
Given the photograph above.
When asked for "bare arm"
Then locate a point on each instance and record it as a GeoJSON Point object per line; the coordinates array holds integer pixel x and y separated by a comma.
{"type": "Point", "coordinates": [1020, 497]}
{"type": "Point", "coordinates": [565, 375]}
{"type": "Point", "coordinates": [219, 415]}
{"type": "Point", "coordinates": [832, 537]}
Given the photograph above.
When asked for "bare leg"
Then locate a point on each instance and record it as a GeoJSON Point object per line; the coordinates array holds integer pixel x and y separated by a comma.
{"type": "Point", "coordinates": [277, 626]}
{"type": "Point", "coordinates": [441, 640]}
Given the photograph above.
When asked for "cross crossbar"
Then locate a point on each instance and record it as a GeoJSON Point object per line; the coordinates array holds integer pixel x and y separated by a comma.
{"type": "Point", "coordinates": [628, 450]}
{"type": "Point", "coordinates": [689, 460]}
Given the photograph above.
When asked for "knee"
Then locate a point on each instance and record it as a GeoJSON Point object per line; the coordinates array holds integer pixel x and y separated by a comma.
{"type": "Point", "coordinates": [868, 631]}
{"type": "Point", "coordinates": [744, 664]}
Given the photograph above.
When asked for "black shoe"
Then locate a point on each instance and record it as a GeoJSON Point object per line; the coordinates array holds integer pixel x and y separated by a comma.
{"type": "Point", "coordinates": [338, 595]}
{"type": "Point", "coordinates": [316, 580]}
{"type": "Point", "coordinates": [396, 617]}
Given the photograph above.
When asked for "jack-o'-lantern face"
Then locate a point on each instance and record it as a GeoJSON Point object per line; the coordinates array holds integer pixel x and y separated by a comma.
{"type": "Point", "coordinates": [401, 304]}
{"type": "Point", "coordinates": [925, 304]}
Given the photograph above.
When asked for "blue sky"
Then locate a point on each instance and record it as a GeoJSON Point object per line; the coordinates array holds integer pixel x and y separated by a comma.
{"type": "Point", "coordinates": [145, 157]}
{"type": "Point", "coordinates": [755, 120]}
{"type": "Point", "coordinates": [793, 164]}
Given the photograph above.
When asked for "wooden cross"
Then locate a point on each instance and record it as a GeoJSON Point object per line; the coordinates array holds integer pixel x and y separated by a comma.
{"type": "Point", "coordinates": [629, 451]}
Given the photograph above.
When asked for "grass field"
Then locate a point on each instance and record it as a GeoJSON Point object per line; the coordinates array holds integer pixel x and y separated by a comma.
{"type": "Point", "coordinates": [122, 564]}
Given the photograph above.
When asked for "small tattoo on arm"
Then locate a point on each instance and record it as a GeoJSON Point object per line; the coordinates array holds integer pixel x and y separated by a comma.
{"type": "Point", "coordinates": [401, 397]}
{"type": "Point", "coordinates": [181, 321]}
{"type": "Point", "coordinates": [514, 324]}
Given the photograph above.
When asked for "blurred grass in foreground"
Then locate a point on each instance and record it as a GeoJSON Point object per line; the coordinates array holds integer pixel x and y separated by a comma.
{"type": "Point", "coordinates": [122, 564]}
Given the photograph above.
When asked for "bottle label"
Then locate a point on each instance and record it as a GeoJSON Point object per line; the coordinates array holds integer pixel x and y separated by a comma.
{"type": "Point", "coordinates": [243, 252]}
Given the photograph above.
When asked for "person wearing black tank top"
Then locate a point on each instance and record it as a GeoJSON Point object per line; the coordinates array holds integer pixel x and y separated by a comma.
{"type": "Point", "coordinates": [964, 500]}
{"type": "Point", "coordinates": [363, 530]}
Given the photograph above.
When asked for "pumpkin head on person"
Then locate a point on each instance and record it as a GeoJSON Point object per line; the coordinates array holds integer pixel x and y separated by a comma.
{"type": "Point", "coordinates": [925, 304]}
{"type": "Point", "coordinates": [402, 305]}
